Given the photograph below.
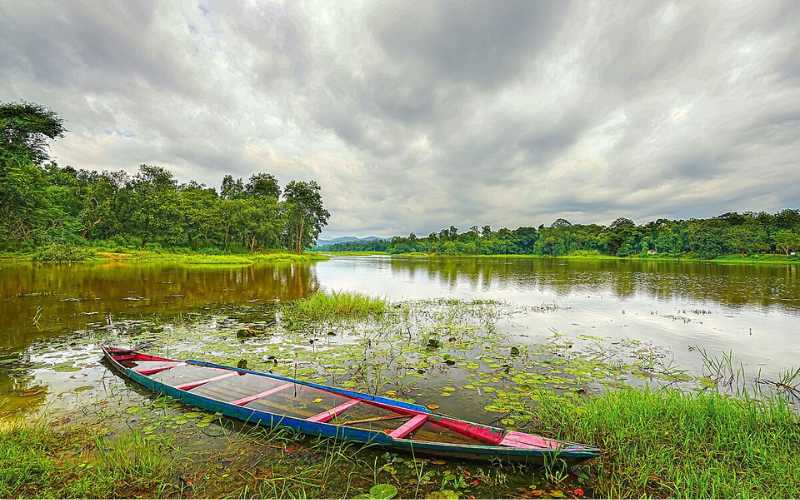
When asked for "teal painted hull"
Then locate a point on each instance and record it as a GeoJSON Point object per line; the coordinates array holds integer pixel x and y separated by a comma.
{"type": "Point", "coordinates": [569, 452]}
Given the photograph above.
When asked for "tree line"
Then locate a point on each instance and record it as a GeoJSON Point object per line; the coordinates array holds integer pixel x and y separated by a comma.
{"type": "Point", "coordinates": [43, 203]}
{"type": "Point", "coordinates": [731, 233]}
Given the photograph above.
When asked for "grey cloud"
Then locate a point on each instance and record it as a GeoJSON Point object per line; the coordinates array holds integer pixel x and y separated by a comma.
{"type": "Point", "coordinates": [415, 116]}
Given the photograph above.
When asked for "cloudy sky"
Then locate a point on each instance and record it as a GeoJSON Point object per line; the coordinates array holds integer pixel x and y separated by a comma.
{"type": "Point", "coordinates": [417, 115]}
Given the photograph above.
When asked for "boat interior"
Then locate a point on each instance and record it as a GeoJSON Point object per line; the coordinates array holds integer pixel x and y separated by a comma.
{"type": "Point", "coordinates": [280, 397]}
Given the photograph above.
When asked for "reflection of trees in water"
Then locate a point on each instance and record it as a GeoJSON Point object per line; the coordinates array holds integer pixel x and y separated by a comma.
{"type": "Point", "coordinates": [731, 285]}
{"type": "Point", "coordinates": [17, 385]}
{"type": "Point", "coordinates": [72, 296]}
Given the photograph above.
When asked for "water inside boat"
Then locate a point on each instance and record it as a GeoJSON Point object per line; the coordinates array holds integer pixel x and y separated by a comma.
{"type": "Point", "coordinates": [290, 399]}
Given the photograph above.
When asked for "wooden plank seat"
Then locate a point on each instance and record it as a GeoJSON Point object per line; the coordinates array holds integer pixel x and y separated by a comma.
{"type": "Point", "coordinates": [409, 427]}
{"type": "Point", "coordinates": [274, 390]}
{"type": "Point", "coordinates": [327, 415]}
{"type": "Point", "coordinates": [197, 383]}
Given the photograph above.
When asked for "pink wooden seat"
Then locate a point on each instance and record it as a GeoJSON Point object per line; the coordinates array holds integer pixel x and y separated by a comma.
{"type": "Point", "coordinates": [191, 385]}
{"type": "Point", "coordinates": [248, 399]}
{"type": "Point", "coordinates": [516, 439]}
{"type": "Point", "coordinates": [327, 415]}
{"type": "Point", "coordinates": [409, 427]}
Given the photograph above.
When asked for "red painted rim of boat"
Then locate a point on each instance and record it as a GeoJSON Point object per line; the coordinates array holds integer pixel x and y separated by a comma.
{"type": "Point", "coordinates": [476, 431]}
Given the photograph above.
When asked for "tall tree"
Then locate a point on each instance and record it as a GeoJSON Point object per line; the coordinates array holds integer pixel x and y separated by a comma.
{"type": "Point", "coordinates": [231, 189]}
{"type": "Point", "coordinates": [26, 212]}
{"type": "Point", "coordinates": [263, 185]}
{"type": "Point", "coordinates": [787, 240]}
{"type": "Point", "coordinates": [307, 216]}
{"type": "Point", "coordinates": [24, 131]}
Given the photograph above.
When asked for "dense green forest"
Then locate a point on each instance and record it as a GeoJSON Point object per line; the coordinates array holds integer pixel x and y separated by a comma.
{"type": "Point", "coordinates": [731, 233]}
{"type": "Point", "coordinates": [44, 204]}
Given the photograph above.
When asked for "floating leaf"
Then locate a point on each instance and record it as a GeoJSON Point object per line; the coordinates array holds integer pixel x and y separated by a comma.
{"type": "Point", "coordinates": [383, 491]}
{"type": "Point", "coordinates": [446, 494]}
{"type": "Point", "coordinates": [65, 367]}
{"type": "Point", "coordinates": [433, 406]}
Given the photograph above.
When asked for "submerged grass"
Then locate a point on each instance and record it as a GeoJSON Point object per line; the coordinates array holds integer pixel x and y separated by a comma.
{"type": "Point", "coordinates": [667, 443]}
{"type": "Point", "coordinates": [338, 305]}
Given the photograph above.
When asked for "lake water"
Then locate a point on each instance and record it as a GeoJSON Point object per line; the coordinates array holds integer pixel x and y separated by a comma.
{"type": "Point", "coordinates": [50, 315]}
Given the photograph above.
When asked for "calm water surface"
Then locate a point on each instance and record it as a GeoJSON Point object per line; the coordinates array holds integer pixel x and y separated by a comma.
{"type": "Point", "coordinates": [752, 310]}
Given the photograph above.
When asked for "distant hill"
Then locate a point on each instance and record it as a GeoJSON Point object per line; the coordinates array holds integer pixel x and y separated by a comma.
{"type": "Point", "coordinates": [345, 239]}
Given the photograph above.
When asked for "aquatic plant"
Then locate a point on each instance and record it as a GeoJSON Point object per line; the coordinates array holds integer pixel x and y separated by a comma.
{"type": "Point", "coordinates": [338, 305]}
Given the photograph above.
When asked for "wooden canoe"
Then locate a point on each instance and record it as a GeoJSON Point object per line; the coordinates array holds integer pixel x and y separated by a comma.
{"type": "Point", "coordinates": [314, 409]}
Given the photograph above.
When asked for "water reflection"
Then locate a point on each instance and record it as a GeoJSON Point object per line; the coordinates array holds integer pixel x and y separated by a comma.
{"type": "Point", "coordinates": [37, 301]}
{"type": "Point", "coordinates": [730, 285]}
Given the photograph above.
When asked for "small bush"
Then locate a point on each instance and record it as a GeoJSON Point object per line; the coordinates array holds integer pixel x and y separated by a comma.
{"type": "Point", "coordinates": [62, 253]}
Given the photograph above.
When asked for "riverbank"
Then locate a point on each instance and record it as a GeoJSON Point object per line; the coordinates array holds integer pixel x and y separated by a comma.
{"type": "Point", "coordinates": [723, 259]}
{"type": "Point", "coordinates": [663, 443]}
{"type": "Point", "coordinates": [87, 254]}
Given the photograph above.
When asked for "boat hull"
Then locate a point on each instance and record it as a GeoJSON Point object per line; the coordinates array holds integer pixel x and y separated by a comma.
{"type": "Point", "coordinates": [570, 453]}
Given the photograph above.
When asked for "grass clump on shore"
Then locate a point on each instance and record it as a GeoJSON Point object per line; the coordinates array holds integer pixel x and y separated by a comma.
{"type": "Point", "coordinates": [339, 305]}
{"type": "Point", "coordinates": [62, 254]}
{"type": "Point", "coordinates": [76, 253]}
{"type": "Point", "coordinates": [668, 443]}
{"type": "Point", "coordinates": [37, 461]}
{"type": "Point", "coordinates": [197, 258]}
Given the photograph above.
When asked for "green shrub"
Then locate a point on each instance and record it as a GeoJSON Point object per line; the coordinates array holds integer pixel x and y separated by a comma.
{"type": "Point", "coordinates": [62, 253]}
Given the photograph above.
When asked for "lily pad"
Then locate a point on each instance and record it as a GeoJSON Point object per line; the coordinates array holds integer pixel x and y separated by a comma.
{"type": "Point", "coordinates": [446, 494]}
{"type": "Point", "coordinates": [383, 491]}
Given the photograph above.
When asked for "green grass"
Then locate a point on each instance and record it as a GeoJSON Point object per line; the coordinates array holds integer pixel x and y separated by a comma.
{"type": "Point", "coordinates": [757, 259]}
{"type": "Point", "coordinates": [212, 259]}
{"type": "Point", "coordinates": [68, 253]}
{"type": "Point", "coordinates": [338, 305]}
{"type": "Point", "coordinates": [672, 444]}
{"type": "Point", "coordinates": [36, 460]}
{"type": "Point", "coordinates": [723, 259]}
{"type": "Point", "coordinates": [351, 252]}
{"type": "Point", "coordinates": [655, 444]}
